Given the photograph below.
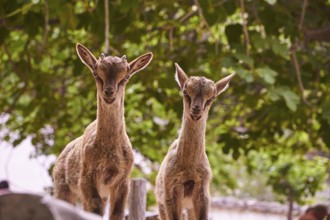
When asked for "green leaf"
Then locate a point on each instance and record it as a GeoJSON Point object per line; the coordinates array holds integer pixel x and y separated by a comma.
{"type": "Point", "coordinates": [273, 95]}
{"type": "Point", "coordinates": [212, 14]}
{"type": "Point", "coordinates": [291, 99]}
{"type": "Point", "coordinates": [267, 74]}
{"type": "Point", "coordinates": [271, 2]}
{"type": "Point", "coordinates": [127, 5]}
{"type": "Point", "coordinates": [227, 62]}
{"type": "Point", "coordinates": [244, 58]}
{"type": "Point", "coordinates": [233, 33]}
{"type": "Point", "coordinates": [25, 8]}
{"type": "Point", "coordinates": [3, 34]}
{"type": "Point", "coordinates": [279, 48]}
{"type": "Point", "coordinates": [326, 112]}
{"type": "Point", "coordinates": [245, 74]}
{"type": "Point", "coordinates": [236, 153]}
{"type": "Point", "coordinates": [67, 16]}
{"type": "Point", "coordinates": [259, 42]}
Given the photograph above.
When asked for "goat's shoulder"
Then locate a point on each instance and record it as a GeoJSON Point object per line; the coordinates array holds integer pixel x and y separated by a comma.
{"type": "Point", "coordinates": [173, 148]}
{"type": "Point", "coordinates": [90, 131]}
{"type": "Point", "coordinates": [171, 156]}
{"type": "Point", "coordinates": [70, 147]}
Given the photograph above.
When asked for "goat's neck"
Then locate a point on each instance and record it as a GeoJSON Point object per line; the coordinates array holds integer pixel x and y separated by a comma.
{"type": "Point", "coordinates": [191, 142]}
{"type": "Point", "coordinates": [110, 122]}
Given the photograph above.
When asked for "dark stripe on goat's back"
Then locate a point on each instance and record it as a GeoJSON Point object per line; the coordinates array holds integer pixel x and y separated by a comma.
{"type": "Point", "coordinates": [188, 188]}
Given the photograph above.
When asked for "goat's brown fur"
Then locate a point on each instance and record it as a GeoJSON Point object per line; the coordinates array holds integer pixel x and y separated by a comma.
{"type": "Point", "coordinates": [97, 165]}
{"type": "Point", "coordinates": [185, 174]}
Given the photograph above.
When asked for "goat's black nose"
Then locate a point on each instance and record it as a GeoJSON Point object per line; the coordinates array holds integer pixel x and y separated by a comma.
{"type": "Point", "coordinates": [196, 109]}
{"type": "Point", "coordinates": [109, 91]}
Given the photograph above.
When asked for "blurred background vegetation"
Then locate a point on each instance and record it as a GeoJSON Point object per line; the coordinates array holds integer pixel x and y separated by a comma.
{"type": "Point", "coordinates": [268, 134]}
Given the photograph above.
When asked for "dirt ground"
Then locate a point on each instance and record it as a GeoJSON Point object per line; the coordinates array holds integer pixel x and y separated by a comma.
{"type": "Point", "coordinates": [216, 214]}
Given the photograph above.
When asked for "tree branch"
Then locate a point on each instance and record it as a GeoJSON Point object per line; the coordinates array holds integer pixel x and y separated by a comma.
{"type": "Point", "coordinates": [302, 15]}
{"type": "Point", "coordinates": [244, 26]}
{"type": "Point", "coordinates": [22, 76]}
{"type": "Point", "coordinates": [220, 3]}
{"type": "Point", "coordinates": [106, 29]}
{"type": "Point", "coordinates": [46, 27]}
{"type": "Point", "coordinates": [87, 5]}
{"type": "Point", "coordinates": [18, 95]}
{"type": "Point", "coordinates": [298, 73]}
{"type": "Point", "coordinates": [294, 59]}
{"type": "Point", "coordinates": [201, 15]}
{"type": "Point", "coordinates": [321, 35]}
{"type": "Point", "coordinates": [170, 35]}
{"type": "Point", "coordinates": [255, 12]}
{"type": "Point", "coordinates": [187, 16]}
{"type": "Point", "coordinates": [206, 24]}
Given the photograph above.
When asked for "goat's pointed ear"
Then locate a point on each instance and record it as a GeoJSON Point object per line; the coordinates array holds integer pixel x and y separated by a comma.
{"type": "Point", "coordinates": [180, 76]}
{"type": "Point", "coordinates": [223, 84]}
{"type": "Point", "coordinates": [86, 56]}
{"type": "Point", "coordinates": [140, 63]}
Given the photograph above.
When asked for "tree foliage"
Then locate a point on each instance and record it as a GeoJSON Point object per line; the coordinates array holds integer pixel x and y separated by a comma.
{"type": "Point", "coordinates": [291, 176]}
{"type": "Point", "coordinates": [278, 49]}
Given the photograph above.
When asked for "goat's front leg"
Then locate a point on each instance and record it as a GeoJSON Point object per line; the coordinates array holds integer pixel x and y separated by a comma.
{"type": "Point", "coordinates": [162, 211]}
{"type": "Point", "coordinates": [91, 199]}
{"type": "Point", "coordinates": [61, 188]}
{"type": "Point", "coordinates": [190, 214]}
{"type": "Point", "coordinates": [118, 196]}
{"type": "Point", "coordinates": [201, 202]}
{"type": "Point", "coordinates": [173, 203]}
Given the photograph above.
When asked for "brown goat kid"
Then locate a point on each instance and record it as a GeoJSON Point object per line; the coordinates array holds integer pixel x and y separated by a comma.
{"type": "Point", "coordinates": [97, 165]}
{"type": "Point", "coordinates": [185, 174]}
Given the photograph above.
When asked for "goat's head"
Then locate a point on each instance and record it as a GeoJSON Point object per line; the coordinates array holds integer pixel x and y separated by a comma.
{"type": "Point", "coordinates": [199, 92]}
{"type": "Point", "coordinates": [111, 73]}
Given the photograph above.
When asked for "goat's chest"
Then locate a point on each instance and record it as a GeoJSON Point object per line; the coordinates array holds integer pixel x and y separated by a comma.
{"type": "Point", "coordinates": [112, 168]}
{"type": "Point", "coordinates": [109, 152]}
{"type": "Point", "coordinates": [200, 165]}
{"type": "Point", "coordinates": [196, 173]}
{"type": "Point", "coordinates": [185, 172]}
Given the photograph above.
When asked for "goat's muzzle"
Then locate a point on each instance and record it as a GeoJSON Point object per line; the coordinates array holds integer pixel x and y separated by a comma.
{"type": "Point", "coordinates": [109, 95]}
{"type": "Point", "coordinates": [196, 112]}
{"type": "Point", "coordinates": [195, 117]}
{"type": "Point", "coordinates": [109, 100]}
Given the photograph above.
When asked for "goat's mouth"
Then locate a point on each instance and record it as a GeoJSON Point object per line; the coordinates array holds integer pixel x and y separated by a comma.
{"type": "Point", "coordinates": [195, 117]}
{"type": "Point", "coordinates": [109, 100]}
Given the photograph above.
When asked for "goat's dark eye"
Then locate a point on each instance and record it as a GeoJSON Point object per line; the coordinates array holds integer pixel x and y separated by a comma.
{"type": "Point", "coordinates": [186, 96]}
{"type": "Point", "coordinates": [126, 78]}
{"type": "Point", "coordinates": [209, 101]}
{"type": "Point", "coordinates": [99, 79]}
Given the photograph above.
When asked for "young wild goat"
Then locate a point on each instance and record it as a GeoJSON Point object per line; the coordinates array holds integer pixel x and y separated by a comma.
{"type": "Point", "coordinates": [185, 174]}
{"type": "Point", "coordinates": [97, 164]}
